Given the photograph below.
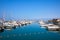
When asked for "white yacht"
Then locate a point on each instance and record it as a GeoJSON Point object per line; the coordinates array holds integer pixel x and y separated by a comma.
{"type": "Point", "coordinates": [9, 24]}
{"type": "Point", "coordinates": [42, 23]}
{"type": "Point", "coordinates": [50, 27]}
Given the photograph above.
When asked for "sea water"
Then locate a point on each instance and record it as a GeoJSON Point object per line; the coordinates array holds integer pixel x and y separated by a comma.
{"type": "Point", "coordinates": [29, 32]}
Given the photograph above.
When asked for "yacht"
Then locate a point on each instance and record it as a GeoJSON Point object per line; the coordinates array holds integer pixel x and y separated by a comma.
{"type": "Point", "coordinates": [50, 27]}
{"type": "Point", "coordinates": [10, 24]}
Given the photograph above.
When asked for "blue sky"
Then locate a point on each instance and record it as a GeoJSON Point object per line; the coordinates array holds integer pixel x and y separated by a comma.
{"type": "Point", "coordinates": [30, 9]}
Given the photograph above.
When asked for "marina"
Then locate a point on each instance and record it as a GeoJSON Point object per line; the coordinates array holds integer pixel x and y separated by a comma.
{"type": "Point", "coordinates": [8, 25]}
{"type": "Point", "coordinates": [29, 32]}
{"type": "Point", "coordinates": [29, 20]}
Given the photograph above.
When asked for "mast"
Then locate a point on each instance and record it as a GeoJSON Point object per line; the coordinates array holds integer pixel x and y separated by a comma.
{"type": "Point", "coordinates": [3, 16]}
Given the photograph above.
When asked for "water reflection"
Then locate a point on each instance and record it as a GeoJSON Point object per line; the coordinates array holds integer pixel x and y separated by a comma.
{"type": "Point", "coordinates": [54, 31]}
{"type": "Point", "coordinates": [2, 30]}
{"type": "Point", "coordinates": [30, 32]}
{"type": "Point", "coordinates": [50, 30]}
{"type": "Point", "coordinates": [14, 27]}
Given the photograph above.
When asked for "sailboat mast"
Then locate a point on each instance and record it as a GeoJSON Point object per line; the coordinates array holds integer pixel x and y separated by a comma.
{"type": "Point", "coordinates": [3, 16]}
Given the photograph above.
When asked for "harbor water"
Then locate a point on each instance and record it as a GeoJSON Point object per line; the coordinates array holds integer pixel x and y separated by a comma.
{"type": "Point", "coordinates": [29, 32]}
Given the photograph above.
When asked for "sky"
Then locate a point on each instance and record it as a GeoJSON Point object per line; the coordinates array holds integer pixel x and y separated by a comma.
{"type": "Point", "coordinates": [29, 9]}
